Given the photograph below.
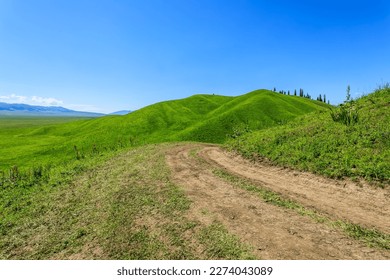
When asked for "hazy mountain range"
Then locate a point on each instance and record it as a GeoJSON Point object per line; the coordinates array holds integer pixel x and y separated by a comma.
{"type": "Point", "coordinates": [123, 112]}
{"type": "Point", "coordinates": [7, 109]}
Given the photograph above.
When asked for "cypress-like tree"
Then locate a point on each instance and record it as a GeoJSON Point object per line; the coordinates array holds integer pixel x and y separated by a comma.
{"type": "Point", "coordinates": [295, 92]}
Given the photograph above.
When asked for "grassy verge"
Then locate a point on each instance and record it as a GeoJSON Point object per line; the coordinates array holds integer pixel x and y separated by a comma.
{"type": "Point", "coordinates": [125, 207]}
{"type": "Point", "coordinates": [371, 237]}
{"type": "Point", "coordinates": [33, 204]}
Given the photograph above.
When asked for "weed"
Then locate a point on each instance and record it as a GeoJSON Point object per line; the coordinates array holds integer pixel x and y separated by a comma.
{"type": "Point", "coordinates": [372, 237]}
{"type": "Point", "coordinates": [14, 173]}
{"type": "Point", "coordinates": [347, 113]}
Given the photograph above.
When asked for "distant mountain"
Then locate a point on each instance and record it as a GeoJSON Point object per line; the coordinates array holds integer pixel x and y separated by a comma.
{"type": "Point", "coordinates": [7, 109]}
{"type": "Point", "coordinates": [123, 112]}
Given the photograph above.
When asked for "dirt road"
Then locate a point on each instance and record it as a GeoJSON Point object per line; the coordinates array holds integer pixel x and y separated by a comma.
{"type": "Point", "coordinates": [277, 232]}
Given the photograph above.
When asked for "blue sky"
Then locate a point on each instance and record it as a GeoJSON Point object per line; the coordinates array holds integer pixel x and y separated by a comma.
{"type": "Point", "coordinates": [105, 56]}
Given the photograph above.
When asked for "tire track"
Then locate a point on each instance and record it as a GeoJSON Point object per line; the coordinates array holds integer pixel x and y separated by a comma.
{"type": "Point", "coordinates": [273, 232]}
{"type": "Point", "coordinates": [367, 206]}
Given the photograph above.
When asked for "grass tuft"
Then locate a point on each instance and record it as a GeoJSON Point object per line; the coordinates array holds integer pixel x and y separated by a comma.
{"type": "Point", "coordinates": [220, 244]}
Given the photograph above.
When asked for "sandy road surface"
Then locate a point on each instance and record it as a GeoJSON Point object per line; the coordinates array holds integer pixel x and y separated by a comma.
{"type": "Point", "coordinates": [275, 232]}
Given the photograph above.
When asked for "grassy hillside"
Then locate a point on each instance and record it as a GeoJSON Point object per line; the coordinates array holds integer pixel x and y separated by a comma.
{"type": "Point", "coordinates": [256, 110]}
{"type": "Point", "coordinates": [206, 118]}
{"type": "Point", "coordinates": [60, 143]}
{"type": "Point", "coordinates": [336, 148]}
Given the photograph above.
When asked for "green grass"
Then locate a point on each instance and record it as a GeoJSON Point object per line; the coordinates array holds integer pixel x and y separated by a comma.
{"type": "Point", "coordinates": [51, 187]}
{"type": "Point", "coordinates": [220, 244]}
{"type": "Point", "coordinates": [18, 122]}
{"type": "Point", "coordinates": [317, 143]}
{"type": "Point", "coordinates": [205, 118]}
{"type": "Point", "coordinates": [69, 189]}
{"type": "Point", "coordinates": [255, 110]}
{"type": "Point", "coordinates": [122, 208]}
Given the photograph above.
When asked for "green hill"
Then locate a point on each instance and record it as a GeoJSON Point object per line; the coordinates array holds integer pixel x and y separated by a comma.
{"type": "Point", "coordinates": [255, 110]}
{"type": "Point", "coordinates": [335, 148]}
{"type": "Point", "coordinates": [205, 118]}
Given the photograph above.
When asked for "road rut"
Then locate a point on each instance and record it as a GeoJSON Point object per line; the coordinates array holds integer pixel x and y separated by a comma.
{"type": "Point", "coordinates": [276, 232]}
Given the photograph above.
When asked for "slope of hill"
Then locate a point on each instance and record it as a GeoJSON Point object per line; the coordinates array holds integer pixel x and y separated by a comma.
{"type": "Point", "coordinates": [7, 109]}
{"type": "Point", "coordinates": [319, 144]}
{"type": "Point", "coordinates": [256, 110]}
{"type": "Point", "coordinates": [206, 118]}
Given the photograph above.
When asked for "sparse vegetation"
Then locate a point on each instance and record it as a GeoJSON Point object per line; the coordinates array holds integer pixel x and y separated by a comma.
{"type": "Point", "coordinates": [220, 244]}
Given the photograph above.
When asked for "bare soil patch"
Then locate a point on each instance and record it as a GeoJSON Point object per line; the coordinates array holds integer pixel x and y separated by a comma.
{"type": "Point", "coordinates": [368, 206]}
{"type": "Point", "coordinates": [275, 232]}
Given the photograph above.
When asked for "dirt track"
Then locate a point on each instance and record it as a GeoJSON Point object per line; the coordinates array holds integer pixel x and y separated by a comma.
{"type": "Point", "coordinates": [275, 232]}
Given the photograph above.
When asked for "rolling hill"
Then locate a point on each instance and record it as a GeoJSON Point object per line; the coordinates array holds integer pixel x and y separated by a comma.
{"type": "Point", "coordinates": [205, 118]}
{"type": "Point", "coordinates": [331, 147]}
{"type": "Point", "coordinates": [256, 110]}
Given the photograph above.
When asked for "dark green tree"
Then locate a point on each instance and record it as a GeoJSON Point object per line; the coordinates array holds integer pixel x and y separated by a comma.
{"type": "Point", "coordinates": [348, 93]}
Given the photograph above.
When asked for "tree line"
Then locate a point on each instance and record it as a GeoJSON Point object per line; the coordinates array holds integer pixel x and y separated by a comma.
{"type": "Point", "coordinates": [321, 98]}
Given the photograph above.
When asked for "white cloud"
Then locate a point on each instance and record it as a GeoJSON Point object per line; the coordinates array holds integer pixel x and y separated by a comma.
{"type": "Point", "coordinates": [13, 98]}
{"type": "Point", "coordinates": [34, 100]}
{"type": "Point", "coordinates": [47, 101]}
